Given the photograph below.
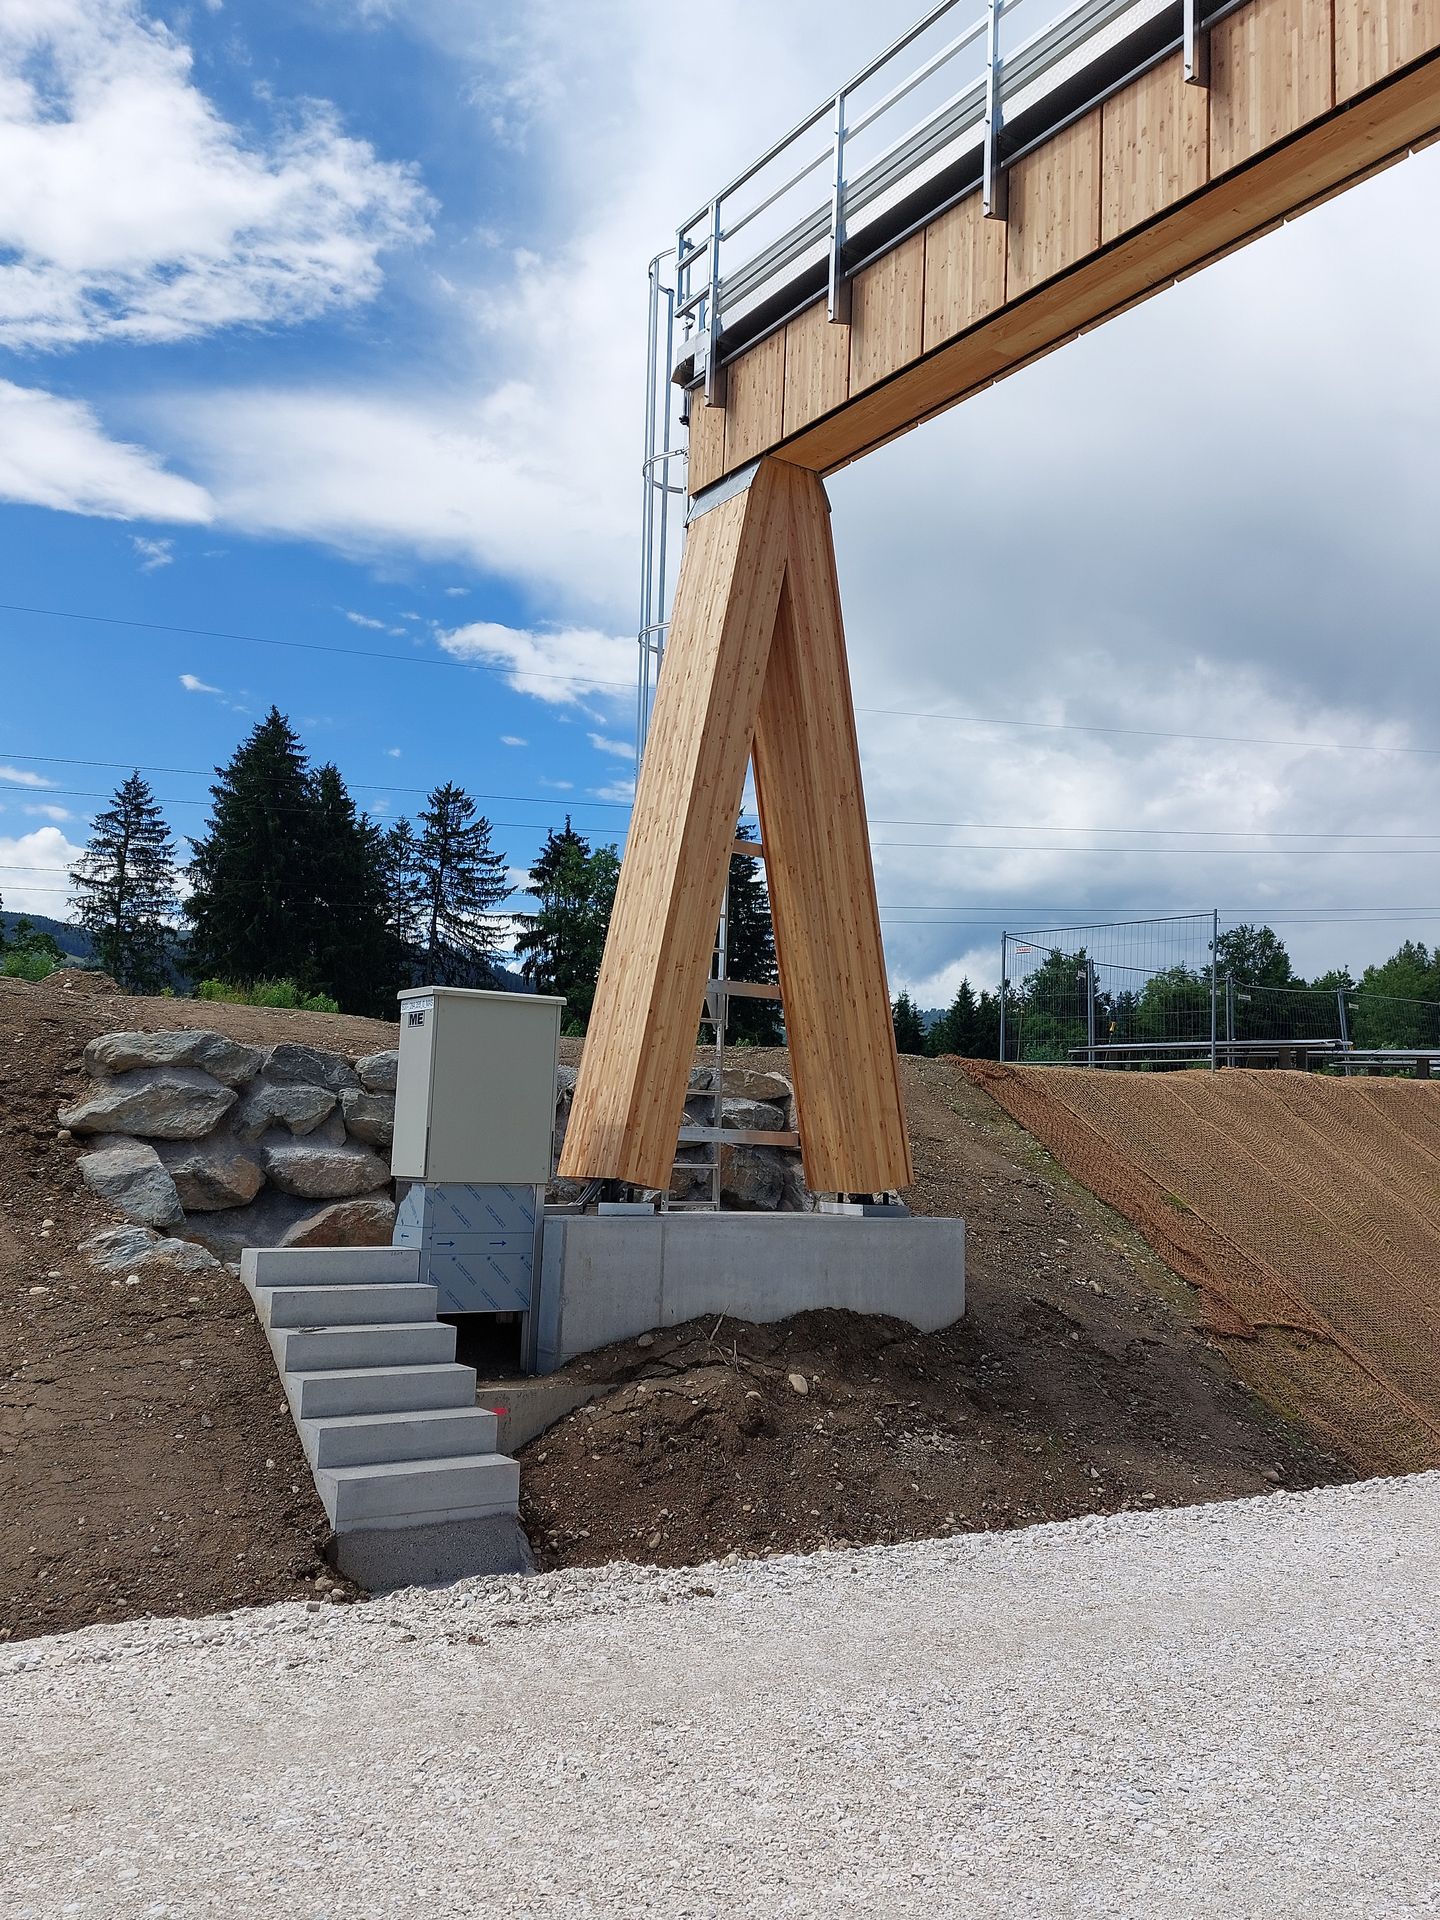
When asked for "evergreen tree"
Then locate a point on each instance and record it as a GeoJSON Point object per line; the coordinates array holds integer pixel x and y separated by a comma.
{"type": "Point", "coordinates": [955, 1030]}
{"type": "Point", "coordinates": [909, 1032]}
{"type": "Point", "coordinates": [464, 881]}
{"type": "Point", "coordinates": [251, 905]}
{"type": "Point", "coordinates": [349, 958]}
{"type": "Point", "coordinates": [403, 889]}
{"type": "Point", "coordinates": [750, 950]}
{"type": "Point", "coordinates": [125, 888]}
{"type": "Point", "coordinates": [562, 944]}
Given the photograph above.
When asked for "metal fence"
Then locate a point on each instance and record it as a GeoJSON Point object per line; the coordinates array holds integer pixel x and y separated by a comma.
{"type": "Point", "coordinates": [1150, 994]}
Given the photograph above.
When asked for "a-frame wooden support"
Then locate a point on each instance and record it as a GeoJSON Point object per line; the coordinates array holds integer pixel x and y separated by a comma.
{"type": "Point", "coordinates": [755, 662]}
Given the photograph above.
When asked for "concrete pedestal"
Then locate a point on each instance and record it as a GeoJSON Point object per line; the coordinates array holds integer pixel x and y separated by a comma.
{"type": "Point", "coordinates": [611, 1277]}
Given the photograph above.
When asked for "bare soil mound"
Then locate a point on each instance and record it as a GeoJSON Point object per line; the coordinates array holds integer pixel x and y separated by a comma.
{"type": "Point", "coordinates": [1304, 1207]}
{"type": "Point", "coordinates": [148, 1463]}
{"type": "Point", "coordinates": [1080, 1381]}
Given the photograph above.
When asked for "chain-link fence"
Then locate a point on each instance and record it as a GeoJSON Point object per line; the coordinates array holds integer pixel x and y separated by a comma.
{"type": "Point", "coordinates": [1149, 994]}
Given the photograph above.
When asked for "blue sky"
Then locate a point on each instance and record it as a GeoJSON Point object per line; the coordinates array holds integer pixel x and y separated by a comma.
{"type": "Point", "coordinates": [322, 323]}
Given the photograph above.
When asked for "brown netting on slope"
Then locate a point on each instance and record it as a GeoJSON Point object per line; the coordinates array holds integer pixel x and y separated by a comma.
{"type": "Point", "coordinates": [1305, 1209]}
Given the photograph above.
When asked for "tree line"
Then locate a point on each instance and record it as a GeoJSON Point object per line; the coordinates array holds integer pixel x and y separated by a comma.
{"type": "Point", "coordinates": [290, 881]}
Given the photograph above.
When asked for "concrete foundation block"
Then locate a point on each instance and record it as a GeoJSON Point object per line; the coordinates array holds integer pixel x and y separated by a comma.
{"type": "Point", "coordinates": [380, 1559]}
{"type": "Point", "coordinates": [611, 1277]}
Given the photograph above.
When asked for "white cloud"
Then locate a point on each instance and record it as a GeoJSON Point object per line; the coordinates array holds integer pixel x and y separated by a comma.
{"type": "Point", "coordinates": [455, 593]}
{"type": "Point", "coordinates": [50, 813]}
{"type": "Point", "coordinates": [152, 553]}
{"type": "Point", "coordinates": [33, 869]}
{"type": "Point", "coordinates": [392, 753]}
{"type": "Point", "coordinates": [512, 740]}
{"type": "Point", "coordinates": [130, 208]}
{"type": "Point", "coordinates": [622, 749]}
{"type": "Point", "coordinates": [22, 777]}
{"type": "Point", "coordinates": [364, 620]}
{"type": "Point", "coordinates": [564, 668]}
{"type": "Point", "coordinates": [192, 683]}
{"type": "Point", "coordinates": [55, 453]}
{"type": "Point", "coordinates": [620, 792]}
{"type": "Point", "coordinates": [558, 786]}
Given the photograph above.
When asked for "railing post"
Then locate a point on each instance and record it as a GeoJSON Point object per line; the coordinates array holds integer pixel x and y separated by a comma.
{"type": "Point", "coordinates": [838, 302]}
{"type": "Point", "coordinates": [1197, 47]}
{"type": "Point", "coordinates": [714, 379]}
{"type": "Point", "coordinates": [994, 192]}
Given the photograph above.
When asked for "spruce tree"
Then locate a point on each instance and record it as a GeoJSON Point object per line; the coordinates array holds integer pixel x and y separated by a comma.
{"type": "Point", "coordinates": [563, 942]}
{"type": "Point", "coordinates": [955, 1030]}
{"type": "Point", "coordinates": [349, 959]}
{"type": "Point", "coordinates": [124, 885]}
{"type": "Point", "coordinates": [464, 881]}
{"type": "Point", "coordinates": [750, 950]}
{"type": "Point", "coordinates": [909, 1032]}
{"type": "Point", "coordinates": [402, 886]}
{"type": "Point", "coordinates": [251, 906]}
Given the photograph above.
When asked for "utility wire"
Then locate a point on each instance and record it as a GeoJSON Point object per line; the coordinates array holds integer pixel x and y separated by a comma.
{"type": "Point", "coordinates": [579, 680]}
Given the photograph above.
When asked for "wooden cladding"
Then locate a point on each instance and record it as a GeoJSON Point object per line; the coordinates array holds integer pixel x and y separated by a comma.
{"type": "Point", "coordinates": [756, 657]}
{"type": "Point", "coordinates": [1154, 183]}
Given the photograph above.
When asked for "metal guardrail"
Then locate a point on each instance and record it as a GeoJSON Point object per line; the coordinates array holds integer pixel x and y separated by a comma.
{"type": "Point", "coordinates": [911, 116]}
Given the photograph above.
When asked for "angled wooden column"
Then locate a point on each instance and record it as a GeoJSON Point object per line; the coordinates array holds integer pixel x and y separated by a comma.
{"type": "Point", "coordinates": [822, 884]}
{"type": "Point", "coordinates": [755, 661]}
{"type": "Point", "coordinates": [643, 1027]}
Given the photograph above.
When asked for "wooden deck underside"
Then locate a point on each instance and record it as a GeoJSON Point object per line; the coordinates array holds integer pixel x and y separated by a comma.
{"type": "Point", "coordinates": [1306, 98]}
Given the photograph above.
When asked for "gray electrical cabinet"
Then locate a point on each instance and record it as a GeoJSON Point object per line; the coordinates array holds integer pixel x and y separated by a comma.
{"type": "Point", "coordinates": [475, 1093]}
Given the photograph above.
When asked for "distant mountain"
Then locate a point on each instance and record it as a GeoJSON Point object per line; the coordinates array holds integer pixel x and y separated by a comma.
{"type": "Point", "coordinates": [72, 940]}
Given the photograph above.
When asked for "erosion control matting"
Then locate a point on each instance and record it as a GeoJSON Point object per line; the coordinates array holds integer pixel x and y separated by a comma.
{"type": "Point", "coordinates": [1305, 1209]}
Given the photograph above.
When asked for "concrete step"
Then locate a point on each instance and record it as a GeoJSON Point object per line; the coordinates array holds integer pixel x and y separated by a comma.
{"type": "Point", "coordinates": [328, 1266]}
{"type": "Point", "coordinates": [341, 1390]}
{"type": "Point", "coordinates": [397, 1344]}
{"type": "Point", "coordinates": [420, 1492]}
{"type": "Point", "coordinates": [335, 1306]}
{"type": "Point", "coordinates": [367, 1439]}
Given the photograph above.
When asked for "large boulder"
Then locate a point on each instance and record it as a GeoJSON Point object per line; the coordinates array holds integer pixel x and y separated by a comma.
{"type": "Point", "coordinates": [159, 1103]}
{"type": "Point", "coordinates": [378, 1071]}
{"type": "Point", "coordinates": [369, 1116]}
{"type": "Point", "coordinates": [763, 1180]}
{"type": "Point", "coordinates": [129, 1174]}
{"type": "Point", "coordinates": [368, 1222]}
{"type": "Point", "coordinates": [224, 1059]}
{"type": "Point", "coordinates": [126, 1249]}
{"type": "Point", "coordinates": [322, 1172]}
{"type": "Point", "coordinates": [291, 1065]}
{"type": "Point", "coordinates": [300, 1109]}
{"type": "Point", "coordinates": [264, 1223]}
{"type": "Point", "coordinates": [209, 1174]}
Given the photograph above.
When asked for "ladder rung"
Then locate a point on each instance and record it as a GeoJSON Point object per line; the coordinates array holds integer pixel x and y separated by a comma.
{"type": "Point", "coordinates": [747, 850]}
{"type": "Point", "coordinates": [744, 989]}
{"type": "Point", "coordinates": [738, 1137]}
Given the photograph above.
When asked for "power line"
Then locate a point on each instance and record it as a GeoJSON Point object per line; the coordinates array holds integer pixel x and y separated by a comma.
{"type": "Point", "coordinates": [580, 680]}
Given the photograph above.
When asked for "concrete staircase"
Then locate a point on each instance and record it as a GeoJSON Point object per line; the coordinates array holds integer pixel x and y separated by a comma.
{"type": "Point", "coordinates": [404, 1460]}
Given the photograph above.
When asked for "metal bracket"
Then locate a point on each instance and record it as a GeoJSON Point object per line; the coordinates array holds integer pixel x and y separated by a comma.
{"type": "Point", "coordinates": [995, 186]}
{"type": "Point", "coordinates": [838, 296]}
{"type": "Point", "coordinates": [1197, 47]}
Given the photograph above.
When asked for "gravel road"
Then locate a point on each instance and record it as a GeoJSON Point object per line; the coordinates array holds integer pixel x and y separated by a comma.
{"type": "Point", "coordinates": [1218, 1711]}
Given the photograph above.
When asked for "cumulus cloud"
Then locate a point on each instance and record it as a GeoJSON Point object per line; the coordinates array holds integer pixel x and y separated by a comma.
{"type": "Point", "coordinates": [192, 683]}
{"type": "Point", "coordinates": [33, 868]}
{"type": "Point", "coordinates": [565, 668]}
{"type": "Point", "coordinates": [23, 777]}
{"type": "Point", "coordinates": [622, 749]}
{"type": "Point", "coordinates": [55, 453]}
{"type": "Point", "coordinates": [131, 209]}
{"type": "Point", "coordinates": [49, 812]}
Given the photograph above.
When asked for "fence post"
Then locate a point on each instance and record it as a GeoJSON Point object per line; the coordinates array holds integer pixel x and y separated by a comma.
{"type": "Point", "coordinates": [1090, 1007]}
{"type": "Point", "coordinates": [1214, 963]}
{"type": "Point", "coordinates": [1004, 956]}
{"type": "Point", "coordinates": [1230, 1016]}
{"type": "Point", "coordinates": [1344, 1017]}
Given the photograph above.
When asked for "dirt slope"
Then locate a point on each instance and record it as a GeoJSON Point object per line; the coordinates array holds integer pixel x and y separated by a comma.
{"type": "Point", "coordinates": [1306, 1209]}
{"type": "Point", "coordinates": [1080, 1381]}
{"type": "Point", "coordinates": [148, 1464]}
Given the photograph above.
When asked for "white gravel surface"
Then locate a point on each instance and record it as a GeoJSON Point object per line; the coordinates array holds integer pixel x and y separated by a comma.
{"type": "Point", "coordinates": [1222, 1711]}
